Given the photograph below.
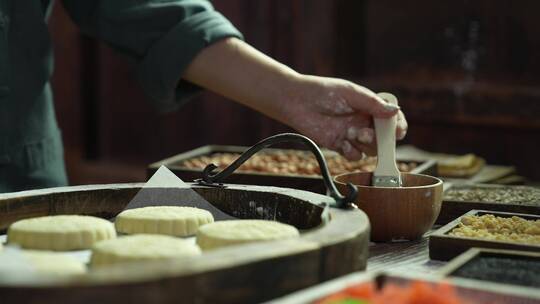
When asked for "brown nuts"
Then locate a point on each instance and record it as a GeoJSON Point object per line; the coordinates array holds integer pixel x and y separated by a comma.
{"type": "Point", "coordinates": [290, 162]}
{"type": "Point", "coordinates": [507, 229]}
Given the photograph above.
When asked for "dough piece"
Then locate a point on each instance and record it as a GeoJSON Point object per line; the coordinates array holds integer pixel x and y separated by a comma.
{"type": "Point", "coordinates": [53, 263]}
{"type": "Point", "coordinates": [141, 247]}
{"type": "Point", "coordinates": [169, 220]}
{"type": "Point", "coordinates": [225, 233]}
{"type": "Point", "coordinates": [60, 232]}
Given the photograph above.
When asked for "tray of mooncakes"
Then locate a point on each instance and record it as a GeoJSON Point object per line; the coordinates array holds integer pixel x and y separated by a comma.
{"type": "Point", "coordinates": [173, 241]}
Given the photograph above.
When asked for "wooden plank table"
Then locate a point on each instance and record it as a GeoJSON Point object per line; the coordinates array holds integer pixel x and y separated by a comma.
{"type": "Point", "coordinates": [402, 257]}
{"type": "Point", "coordinates": [397, 258]}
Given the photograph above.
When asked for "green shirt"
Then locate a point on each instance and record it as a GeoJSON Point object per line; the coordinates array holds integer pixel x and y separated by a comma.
{"type": "Point", "coordinates": [160, 37]}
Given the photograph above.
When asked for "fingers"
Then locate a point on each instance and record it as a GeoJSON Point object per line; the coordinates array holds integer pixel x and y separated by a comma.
{"type": "Point", "coordinates": [369, 150]}
{"type": "Point", "coordinates": [367, 101]}
{"type": "Point", "coordinates": [355, 150]}
{"type": "Point", "coordinates": [402, 126]}
{"type": "Point", "coordinates": [377, 107]}
{"type": "Point", "coordinates": [362, 140]}
{"type": "Point", "coordinates": [350, 151]}
{"type": "Point", "coordinates": [361, 135]}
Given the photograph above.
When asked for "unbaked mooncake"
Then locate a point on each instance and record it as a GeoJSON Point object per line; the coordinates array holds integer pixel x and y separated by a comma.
{"type": "Point", "coordinates": [225, 233]}
{"type": "Point", "coordinates": [53, 263]}
{"type": "Point", "coordinates": [60, 232]}
{"type": "Point", "coordinates": [169, 220]}
{"type": "Point", "coordinates": [141, 247]}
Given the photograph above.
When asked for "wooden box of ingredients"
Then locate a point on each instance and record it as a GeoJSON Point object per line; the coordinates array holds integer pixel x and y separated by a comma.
{"type": "Point", "coordinates": [412, 288]}
{"type": "Point", "coordinates": [459, 199]}
{"type": "Point", "coordinates": [504, 268]}
{"type": "Point", "coordinates": [487, 229]}
{"type": "Point", "coordinates": [288, 168]}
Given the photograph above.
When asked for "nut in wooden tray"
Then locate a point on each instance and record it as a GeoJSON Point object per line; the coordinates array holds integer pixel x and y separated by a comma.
{"type": "Point", "coordinates": [276, 167]}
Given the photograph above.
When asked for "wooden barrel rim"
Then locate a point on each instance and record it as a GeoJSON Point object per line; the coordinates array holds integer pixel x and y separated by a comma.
{"type": "Point", "coordinates": [345, 226]}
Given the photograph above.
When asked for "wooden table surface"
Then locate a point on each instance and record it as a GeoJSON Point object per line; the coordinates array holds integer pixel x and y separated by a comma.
{"type": "Point", "coordinates": [399, 258]}
{"type": "Point", "coordinates": [402, 257]}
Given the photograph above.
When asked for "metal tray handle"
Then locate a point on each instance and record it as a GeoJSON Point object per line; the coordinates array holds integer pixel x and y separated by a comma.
{"type": "Point", "coordinates": [213, 179]}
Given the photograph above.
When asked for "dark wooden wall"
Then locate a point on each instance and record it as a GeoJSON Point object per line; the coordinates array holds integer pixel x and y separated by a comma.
{"type": "Point", "coordinates": [466, 73]}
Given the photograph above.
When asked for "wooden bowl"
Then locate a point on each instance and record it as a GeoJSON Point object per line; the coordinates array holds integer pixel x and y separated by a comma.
{"type": "Point", "coordinates": [397, 213]}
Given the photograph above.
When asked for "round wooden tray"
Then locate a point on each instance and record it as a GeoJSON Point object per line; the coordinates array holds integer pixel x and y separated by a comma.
{"type": "Point", "coordinates": [239, 274]}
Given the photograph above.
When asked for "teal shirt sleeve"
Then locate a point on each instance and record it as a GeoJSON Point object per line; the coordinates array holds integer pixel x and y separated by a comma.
{"type": "Point", "coordinates": [161, 36]}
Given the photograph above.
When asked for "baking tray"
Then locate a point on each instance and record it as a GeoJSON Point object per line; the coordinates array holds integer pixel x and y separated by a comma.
{"type": "Point", "coordinates": [452, 208]}
{"type": "Point", "coordinates": [247, 273]}
{"type": "Point", "coordinates": [303, 182]}
{"type": "Point", "coordinates": [472, 293]}
{"type": "Point", "coordinates": [462, 267]}
{"type": "Point", "coordinates": [445, 247]}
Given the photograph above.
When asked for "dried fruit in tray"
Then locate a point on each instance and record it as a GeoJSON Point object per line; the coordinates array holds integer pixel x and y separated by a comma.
{"type": "Point", "coordinates": [290, 162]}
{"type": "Point", "coordinates": [414, 293]}
{"type": "Point", "coordinates": [491, 227]}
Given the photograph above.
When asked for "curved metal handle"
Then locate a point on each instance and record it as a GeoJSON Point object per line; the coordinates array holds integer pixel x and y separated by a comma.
{"type": "Point", "coordinates": [209, 178]}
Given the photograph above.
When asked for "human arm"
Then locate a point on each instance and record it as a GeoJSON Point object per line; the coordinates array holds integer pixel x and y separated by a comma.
{"type": "Point", "coordinates": [158, 37]}
{"type": "Point", "coordinates": [334, 112]}
{"type": "Point", "coordinates": [178, 45]}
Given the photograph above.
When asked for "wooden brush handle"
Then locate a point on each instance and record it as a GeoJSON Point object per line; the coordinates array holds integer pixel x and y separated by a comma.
{"type": "Point", "coordinates": [385, 130]}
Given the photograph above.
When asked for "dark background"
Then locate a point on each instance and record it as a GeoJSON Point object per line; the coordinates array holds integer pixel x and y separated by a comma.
{"type": "Point", "coordinates": [466, 74]}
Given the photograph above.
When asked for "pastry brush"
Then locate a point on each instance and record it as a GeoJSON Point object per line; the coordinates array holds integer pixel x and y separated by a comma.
{"type": "Point", "coordinates": [386, 173]}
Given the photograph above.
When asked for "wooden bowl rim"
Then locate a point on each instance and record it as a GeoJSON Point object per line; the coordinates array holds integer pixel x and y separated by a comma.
{"type": "Point", "coordinates": [438, 181]}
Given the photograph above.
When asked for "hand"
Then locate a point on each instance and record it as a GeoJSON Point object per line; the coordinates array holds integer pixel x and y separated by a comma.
{"type": "Point", "coordinates": [337, 114]}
